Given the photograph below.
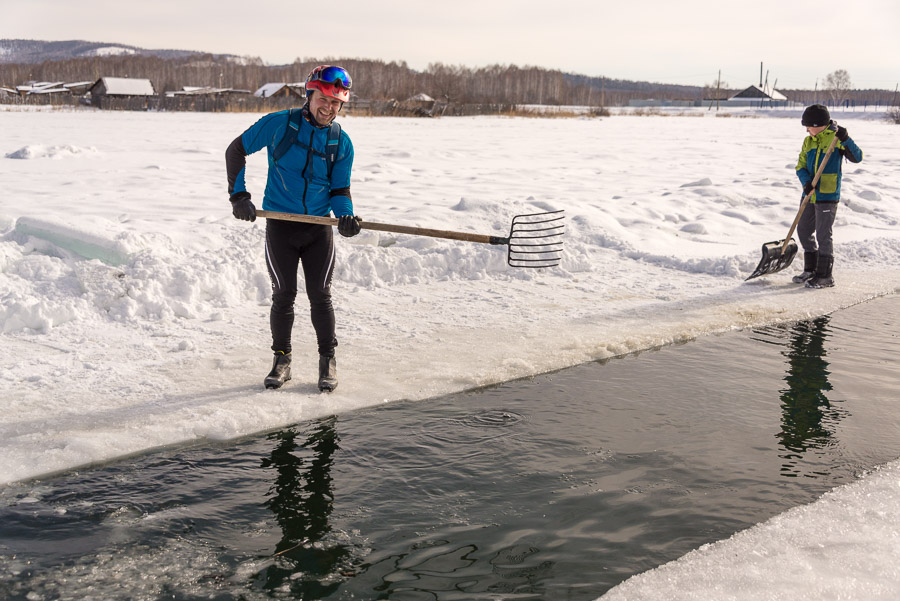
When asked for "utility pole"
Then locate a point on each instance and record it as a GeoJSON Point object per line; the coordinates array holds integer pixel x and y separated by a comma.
{"type": "Point", "coordinates": [718, 85]}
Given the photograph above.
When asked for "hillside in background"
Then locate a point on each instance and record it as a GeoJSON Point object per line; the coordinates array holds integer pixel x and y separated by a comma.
{"type": "Point", "coordinates": [30, 52]}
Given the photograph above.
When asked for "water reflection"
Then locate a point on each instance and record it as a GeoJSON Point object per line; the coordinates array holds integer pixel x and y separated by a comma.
{"type": "Point", "coordinates": [308, 560]}
{"type": "Point", "coordinates": [808, 418]}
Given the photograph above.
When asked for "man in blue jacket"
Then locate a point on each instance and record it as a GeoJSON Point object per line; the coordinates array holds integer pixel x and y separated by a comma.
{"type": "Point", "coordinates": [310, 176]}
{"type": "Point", "coordinates": [815, 226]}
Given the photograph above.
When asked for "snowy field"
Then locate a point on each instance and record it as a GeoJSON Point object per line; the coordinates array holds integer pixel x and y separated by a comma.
{"type": "Point", "coordinates": [135, 308]}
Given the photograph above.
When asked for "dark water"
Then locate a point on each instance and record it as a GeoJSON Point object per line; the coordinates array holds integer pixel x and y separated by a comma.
{"type": "Point", "coordinates": [554, 488]}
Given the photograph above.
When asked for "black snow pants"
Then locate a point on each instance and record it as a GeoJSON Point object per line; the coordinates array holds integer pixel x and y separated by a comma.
{"type": "Point", "coordinates": [289, 244]}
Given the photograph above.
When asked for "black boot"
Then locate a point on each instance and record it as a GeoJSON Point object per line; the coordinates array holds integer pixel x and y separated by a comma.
{"type": "Point", "coordinates": [327, 373]}
{"type": "Point", "coordinates": [281, 371]}
{"type": "Point", "coordinates": [823, 278]}
{"type": "Point", "coordinates": [809, 267]}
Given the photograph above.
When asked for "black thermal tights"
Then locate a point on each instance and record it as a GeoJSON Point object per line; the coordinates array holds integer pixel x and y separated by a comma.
{"type": "Point", "coordinates": [288, 245]}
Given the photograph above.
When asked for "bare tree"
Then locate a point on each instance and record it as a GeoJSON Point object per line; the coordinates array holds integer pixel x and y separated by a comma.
{"type": "Point", "coordinates": [446, 80]}
{"type": "Point", "coordinates": [717, 89]}
{"type": "Point", "coordinates": [838, 86]}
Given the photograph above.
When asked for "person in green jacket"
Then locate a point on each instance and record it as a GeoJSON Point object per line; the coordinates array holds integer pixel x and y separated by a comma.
{"type": "Point", "coordinates": [817, 221]}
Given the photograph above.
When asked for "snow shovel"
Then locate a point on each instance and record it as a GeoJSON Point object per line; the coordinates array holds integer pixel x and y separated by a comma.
{"type": "Point", "coordinates": [778, 255]}
{"type": "Point", "coordinates": [534, 240]}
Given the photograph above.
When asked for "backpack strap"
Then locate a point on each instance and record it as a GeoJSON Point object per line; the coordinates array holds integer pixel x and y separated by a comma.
{"type": "Point", "coordinates": [332, 145]}
{"type": "Point", "coordinates": [290, 134]}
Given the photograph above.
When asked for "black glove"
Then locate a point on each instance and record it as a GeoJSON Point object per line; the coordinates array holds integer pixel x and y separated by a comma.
{"type": "Point", "coordinates": [241, 207]}
{"type": "Point", "coordinates": [841, 133]}
{"type": "Point", "coordinates": [807, 188]}
{"type": "Point", "coordinates": [348, 225]}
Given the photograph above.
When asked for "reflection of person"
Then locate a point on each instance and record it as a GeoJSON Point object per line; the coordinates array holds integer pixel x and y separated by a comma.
{"type": "Point", "coordinates": [309, 177]}
{"type": "Point", "coordinates": [817, 221]}
{"type": "Point", "coordinates": [805, 407]}
{"type": "Point", "coordinates": [301, 499]}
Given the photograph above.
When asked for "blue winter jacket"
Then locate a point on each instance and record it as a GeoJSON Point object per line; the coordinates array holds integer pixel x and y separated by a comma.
{"type": "Point", "coordinates": [299, 182]}
{"type": "Point", "coordinates": [814, 147]}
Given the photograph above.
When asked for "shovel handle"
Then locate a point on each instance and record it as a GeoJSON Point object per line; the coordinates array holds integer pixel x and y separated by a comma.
{"type": "Point", "coordinates": [386, 227]}
{"type": "Point", "coordinates": [806, 198]}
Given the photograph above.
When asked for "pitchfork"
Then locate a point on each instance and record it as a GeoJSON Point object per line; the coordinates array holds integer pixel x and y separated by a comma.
{"type": "Point", "coordinates": [535, 240]}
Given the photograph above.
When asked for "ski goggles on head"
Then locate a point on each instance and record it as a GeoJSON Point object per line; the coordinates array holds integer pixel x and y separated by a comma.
{"type": "Point", "coordinates": [334, 75]}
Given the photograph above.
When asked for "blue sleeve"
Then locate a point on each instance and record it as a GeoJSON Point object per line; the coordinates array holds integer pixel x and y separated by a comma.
{"type": "Point", "coordinates": [264, 132]}
{"type": "Point", "coordinates": [260, 135]}
{"type": "Point", "coordinates": [341, 203]}
{"type": "Point", "coordinates": [853, 152]}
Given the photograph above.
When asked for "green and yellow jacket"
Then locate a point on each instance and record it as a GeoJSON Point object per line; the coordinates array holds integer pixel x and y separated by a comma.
{"type": "Point", "coordinates": [814, 148]}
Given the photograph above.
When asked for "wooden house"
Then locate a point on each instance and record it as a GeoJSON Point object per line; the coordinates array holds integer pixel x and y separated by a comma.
{"type": "Point", "coordinates": [35, 87]}
{"type": "Point", "coordinates": [421, 104]}
{"type": "Point", "coordinates": [197, 98]}
{"type": "Point", "coordinates": [757, 96]}
{"type": "Point", "coordinates": [79, 88]}
{"type": "Point", "coordinates": [122, 93]}
{"type": "Point", "coordinates": [281, 90]}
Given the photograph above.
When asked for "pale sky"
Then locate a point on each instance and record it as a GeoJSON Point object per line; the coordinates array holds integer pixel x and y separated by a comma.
{"type": "Point", "coordinates": [798, 41]}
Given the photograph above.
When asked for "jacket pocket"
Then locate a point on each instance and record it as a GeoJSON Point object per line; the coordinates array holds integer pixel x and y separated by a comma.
{"type": "Point", "coordinates": [828, 183]}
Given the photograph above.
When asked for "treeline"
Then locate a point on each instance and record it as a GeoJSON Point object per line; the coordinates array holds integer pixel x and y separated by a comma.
{"type": "Point", "coordinates": [858, 98]}
{"type": "Point", "coordinates": [372, 79]}
{"type": "Point", "coordinates": [381, 81]}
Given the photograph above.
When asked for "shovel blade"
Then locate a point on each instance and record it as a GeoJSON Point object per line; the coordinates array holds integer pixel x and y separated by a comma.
{"type": "Point", "coordinates": [773, 260]}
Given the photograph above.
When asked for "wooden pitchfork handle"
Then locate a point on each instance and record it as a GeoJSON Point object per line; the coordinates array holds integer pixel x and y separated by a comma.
{"type": "Point", "coordinates": [387, 227]}
{"type": "Point", "coordinates": [811, 192]}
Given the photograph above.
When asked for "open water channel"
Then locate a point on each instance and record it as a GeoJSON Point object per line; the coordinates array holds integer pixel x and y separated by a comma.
{"type": "Point", "coordinates": [557, 487]}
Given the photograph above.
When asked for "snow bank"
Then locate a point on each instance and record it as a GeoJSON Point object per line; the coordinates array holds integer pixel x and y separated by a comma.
{"type": "Point", "coordinates": [135, 308]}
{"type": "Point", "coordinates": [38, 151]}
{"type": "Point", "coordinates": [843, 546]}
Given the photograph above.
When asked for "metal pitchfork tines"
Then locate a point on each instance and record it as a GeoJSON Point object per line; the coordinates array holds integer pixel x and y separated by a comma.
{"type": "Point", "coordinates": [535, 240]}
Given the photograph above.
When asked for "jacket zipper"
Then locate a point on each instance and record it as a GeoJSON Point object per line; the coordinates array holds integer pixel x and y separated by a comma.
{"type": "Point", "coordinates": [309, 154]}
{"type": "Point", "coordinates": [816, 164]}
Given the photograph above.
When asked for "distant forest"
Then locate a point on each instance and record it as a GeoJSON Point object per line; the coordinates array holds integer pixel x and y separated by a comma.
{"type": "Point", "coordinates": [378, 80]}
{"type": "Point", "coordinates": [372, 79]}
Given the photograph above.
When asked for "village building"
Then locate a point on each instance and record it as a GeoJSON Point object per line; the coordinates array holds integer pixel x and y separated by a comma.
{"type": "Point", "coordinates": [56, 89]}
{"type": "Point", "coordinates": [204, 98]}
{"type": "Point", "coordinates": [204, 91]}
{"type": "Point", "coordinates": [122, 93]}
{"type": "Point", "coordinates": [79, 88]}
{"type": "Point", "coordinates": [757, 96]}
{"type": "Point", "coordinates": [421, 104]}
{"type": "Point", "coordinates": [35, 87]}
{"type": "Point", "coordinates": [281, 90]}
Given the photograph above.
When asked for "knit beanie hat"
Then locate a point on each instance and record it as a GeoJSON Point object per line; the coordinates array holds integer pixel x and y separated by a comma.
{"type": "Point", "coordinates": [815, 116]}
